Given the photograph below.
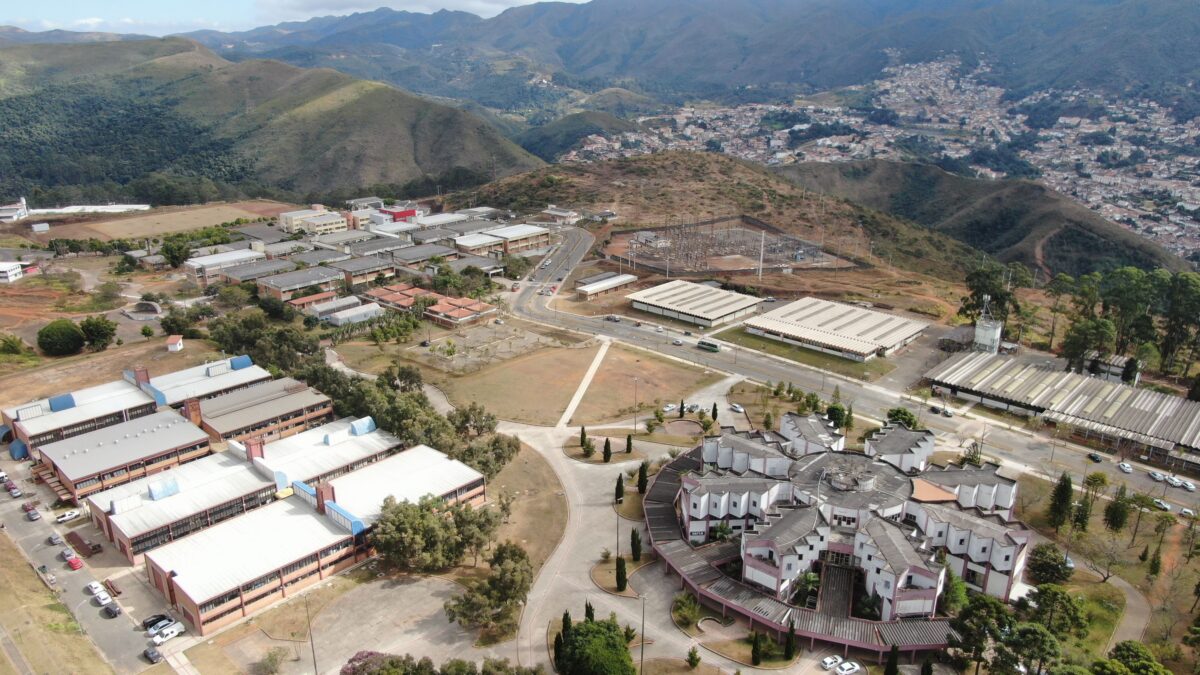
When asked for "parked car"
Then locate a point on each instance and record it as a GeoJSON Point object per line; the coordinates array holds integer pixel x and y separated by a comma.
{"type": "Point", "coordinates": [158, 626]}
{"type": "Point", "coordinates": [54, 540]}
{"type": "Point", "coordinates": [15, 493]}
{"type": "Point", "coordinates": [848, 668]}
{"type": "Point", "coordinates": [1188, 485]}
{"type": "Point", "coordinates": [658, 329]}
{"type": "Point", "coordinates": [1156, 476]}
{"type": "Point", "coordinates": [75, 564]}
{"type": "Point", "coordinates": [1095, 457]}
{"type": "Point", "coordinates": [831, 662]}
{"type": "Point", "coordinates": [112, 611]}
{"type": "Point", "coordinates": [1161, 505]}
{"type": "Point", "coordinates": [1125, 467]}
{"type": "Point", "coordinates": [9, 485]}
{"type": "Point", "coordinates": [3, 476]}
{"type": "Point", "coordinates": [736, 408]}
{"type": "Point", "coordinates": [167, 633]}
{"type": "Point", "coordinates": [103, 598]}
{"type": "Point", "coordinates": [152, 655]}
{"type": "Point", "coordinates": [67, 517]}
{"type": "Point", "coordinates": [67, 553]}
{"type": "Point", "coordinates": [693, 407]}
{"type": "Point", "coordinates": [1174, 482]}
{"type": "Point", "coordinates": [670, 407]}
{"type": "Point", "coordinates": [769, 298]}
{"type": "Point", "coordinates": [677, 342]}
{"type": "Point", "coordinates": [27, 507]}
{"type": "Point", "coordinates": [150, 621]}
{"type": "Point", "coordinates": [946, 412]}
{"type": "Point", "coordinates": [1187, 513]}
{"type": "Point", "coordinates": [95, 588]}
{"type": "Point", "coordinates": [33, 515]}
{"type": "Point", "coordinates": [935, 409]}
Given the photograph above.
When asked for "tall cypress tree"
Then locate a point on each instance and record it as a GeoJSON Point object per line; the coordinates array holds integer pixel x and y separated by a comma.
{"type": "Point", "coordinates": [789, 644]}
{"type": "Point", "coordinates": [607, 450]}
{"type": "Point", "coordinates": [635, 545]}
{"type": "Point", "coordinates": [1061, 501]}
{"type": "Point", "coordinates": [892, 667]}
{"type": "Point", "coordinates": [628, 444]}
{"type": "Point", "coordinates": [714, 411]}
{"type": "Point", "coordinates": [619, 492]}
{"type": "Point", "coordinates": [622, 579]}
{"type": "Point", "coordinates": [589, 612]}
{"type": "Point", "coordinates": [643, 477]}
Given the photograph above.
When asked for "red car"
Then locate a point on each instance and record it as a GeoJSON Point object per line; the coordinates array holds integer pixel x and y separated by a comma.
{"type": "Point", "coordinates": [27, 507]}
{"type": "Point", "coordinates": [75, 563]}
{"type": "Point", "coordinates": [9, 485]}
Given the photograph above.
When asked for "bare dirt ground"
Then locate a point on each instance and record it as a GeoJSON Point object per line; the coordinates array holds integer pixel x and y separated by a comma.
{"type": "Point", "coordinates": [88, 369]}
{"type": "Point", "coordinates": [660, 381]}
{"type": "Point", "coordinates": [156, 222]}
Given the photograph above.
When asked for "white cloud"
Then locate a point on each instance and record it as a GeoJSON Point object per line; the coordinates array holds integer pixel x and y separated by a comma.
{"type": "Point", "coordinates": [275, 11]}
{"type": "Point", "coordinates": [90, 22]}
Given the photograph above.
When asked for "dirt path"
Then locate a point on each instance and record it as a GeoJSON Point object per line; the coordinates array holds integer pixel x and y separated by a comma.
{"type": "Point", "coordinates": [1039, 254]}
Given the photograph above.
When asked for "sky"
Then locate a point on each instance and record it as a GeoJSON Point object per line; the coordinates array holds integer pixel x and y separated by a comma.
{"type": "Point", "coordinates": [163, 17]}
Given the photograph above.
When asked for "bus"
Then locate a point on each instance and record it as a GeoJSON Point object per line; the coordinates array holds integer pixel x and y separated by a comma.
{"type": "Point", "coordinates": [708, 346]}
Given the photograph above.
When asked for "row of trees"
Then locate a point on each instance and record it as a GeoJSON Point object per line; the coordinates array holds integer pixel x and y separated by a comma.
{"type": "Point", "coordinates": [377, 663]}
{"type": "Point", "coordinates": [592, 647]}
{"type": "Point", "coordinates": [63, 337]}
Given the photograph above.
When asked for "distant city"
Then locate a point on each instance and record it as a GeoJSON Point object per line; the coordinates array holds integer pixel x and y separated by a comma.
{"type": "Point", "coordinates": [1126, 159]}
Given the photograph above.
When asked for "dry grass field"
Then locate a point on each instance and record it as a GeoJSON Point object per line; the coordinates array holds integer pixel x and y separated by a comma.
{"type": "Point", "coordinates": [160, 221]}
{"type": "Point", "coordinates": [660, 380]}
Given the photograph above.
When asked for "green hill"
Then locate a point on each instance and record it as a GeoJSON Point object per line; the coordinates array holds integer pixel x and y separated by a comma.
{"type": "Point", "coordinates": [1013, 220]}
{"type": "Point", "coordinates": [253, 125]}
{"type": "Point", "coordinates": [550, 141]}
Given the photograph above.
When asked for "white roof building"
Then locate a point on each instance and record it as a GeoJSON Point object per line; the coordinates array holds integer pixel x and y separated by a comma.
{"type": "Point", "coordinates": [48, 414]}
{"type": "Point", "coordinates": [205, 381]}
{"type": "Point", "coordinates": [441, 219]}
{"type": "Point", "coordinates": [406, 476]}
{"type": "Point", "coordinates": [842, 330]}
{"type": "Point", "coordinates": [694, 303]}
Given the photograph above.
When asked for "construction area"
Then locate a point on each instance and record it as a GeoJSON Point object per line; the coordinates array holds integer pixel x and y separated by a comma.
{"type": "Point", "coordinates": [728, 245]}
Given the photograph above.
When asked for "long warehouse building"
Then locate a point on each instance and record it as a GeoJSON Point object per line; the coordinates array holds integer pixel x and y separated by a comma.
{"type": "Point", "coordinates": [228, 571]}
{"type": "Point", "coordinates": [1093, 406]}
{"type": "Point", "coordinates": [694, 303]}
{"type": "Point", "coordinates": [847, 331]}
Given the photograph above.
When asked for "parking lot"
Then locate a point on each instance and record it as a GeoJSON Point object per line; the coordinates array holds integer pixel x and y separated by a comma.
{"type": "Point", "coordinates": [120, 639]}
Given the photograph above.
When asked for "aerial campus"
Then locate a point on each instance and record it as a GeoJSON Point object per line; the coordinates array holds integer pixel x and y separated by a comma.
{"type": "Point", "coordinates": [387, 402]}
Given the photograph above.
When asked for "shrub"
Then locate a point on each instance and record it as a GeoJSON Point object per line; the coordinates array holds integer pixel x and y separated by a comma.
{"type": "Point", "coordinates": [60, 337]}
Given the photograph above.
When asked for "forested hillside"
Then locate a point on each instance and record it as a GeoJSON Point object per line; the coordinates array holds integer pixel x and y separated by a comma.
{"type": "Point", "coordinates": [552, 140]}
{"type": "Point", "coordinates": [167, 121]}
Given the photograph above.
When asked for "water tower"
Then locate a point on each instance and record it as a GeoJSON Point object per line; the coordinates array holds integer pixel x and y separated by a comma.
{"type": "Point", "coordinates": [987, 330]}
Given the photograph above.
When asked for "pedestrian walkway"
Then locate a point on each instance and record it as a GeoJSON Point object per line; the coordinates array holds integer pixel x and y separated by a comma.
{"type": "Point", "coordinates": [584, 383]}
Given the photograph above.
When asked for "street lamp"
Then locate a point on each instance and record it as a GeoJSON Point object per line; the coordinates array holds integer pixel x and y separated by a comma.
{"type": "Point", "coordinates": [635, 404]}
{"type": "Point", "coordinates": [643, 657]}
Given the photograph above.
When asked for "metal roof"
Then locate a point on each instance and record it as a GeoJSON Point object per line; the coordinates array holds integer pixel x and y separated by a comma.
{"type": "Point", "coordinates": [38, 417]}
{"type": "Point", "coordinates": [189, 489]}
{"type": "Point", "coordinates": [205, 380]}
{"type": "Point", "coordinates": [96, 451]}
{"type": "Point", "coordinates": [381, 245]}
{"type": "Point", "coordinates": [441, 219]}
{"type": "Point", "coordinates": [266, 401]}
{"type": "Point", "coordinates": [422, 252]}
{"type": "Point", "coordinates": [1119, 410]}
{"type": "Point", "coordinates": [239, 550]}
{"type": "Point", "coordinates": [518, 231]}
{"type": "Point", "coordinates": [301, 278]}
{"type": "Point", "coordinates": [606, 284]}
{"type": "Point", "coordinates": [321, 255]}
{"type": "Point", "coordinates": [360, 265]}
{"type": "Point", "coordinates": [694, 299]}
{"type": "Point", "coordinates": [260, 268]}
{"type": "Point", "coordinates": [407, 476]}
{"type": "Point", "coordinates": [225, 259]}
{"type": "Point", "coordinates": [476, 240]}
{"type": "Point", "coordinates": [838, 326]}
{"type": "Point", "coordinates": [332, 446]}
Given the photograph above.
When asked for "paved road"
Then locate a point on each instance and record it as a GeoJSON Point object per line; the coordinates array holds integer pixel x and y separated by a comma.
{"type": "Point", "coordinates": [1015, 446]}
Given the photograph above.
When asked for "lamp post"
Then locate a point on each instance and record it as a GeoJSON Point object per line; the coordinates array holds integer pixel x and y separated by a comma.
{"type": "Point", "coordinates": [642, 664]}
{"type": "Point", "coordinates": [635, 404]}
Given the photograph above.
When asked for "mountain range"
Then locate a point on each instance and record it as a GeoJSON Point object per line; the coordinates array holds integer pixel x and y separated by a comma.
{"type": "Point", "coordinates": [535, 55]}
{"type": "Point", "coordinates": [109, 118]}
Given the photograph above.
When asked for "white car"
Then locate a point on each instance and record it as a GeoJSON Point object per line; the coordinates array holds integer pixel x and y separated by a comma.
{"type": "Point", "coordinates": [1156, 476]}
{"type": "Point", "coordinates": [736, 408]}
{"type": "Point", "coordinates": [1161, 505]}
{"type": "Point", "coordinates": [67, 517]}
{"type": "Point", "coordinates": [670, 407]}
{"type": "Point", "coordinates": [1188, 485]}
{"type": "Point", "coordinates": [658, 329]}
{"type": "Point", "coordinates": [167, 633]}
{"type": "Point", "coordinates": [95, 588]}
{"type": "Point", "coordinates": [1125, 467]}
{"type": "Point", "coordinates": [1174, 482]}
{"type": "Point", "coordinates": [103, 598]}
{"type": "Point", "coordinates": [831, 662]}
{"type": "Point", "coordinates": [848, 668]}
{"type": "Point", "coordinates": [1187, 513]}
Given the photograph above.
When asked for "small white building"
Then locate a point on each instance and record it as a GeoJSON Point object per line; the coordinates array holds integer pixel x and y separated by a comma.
{"type": "Point", "coordinates": [175, 343]}
{"type": "Point", "coordinates": [10, 272]}
{"type": "Point", "coordinates": [40, 228]}
{"type": "Point", "coordinates": [560, 216]}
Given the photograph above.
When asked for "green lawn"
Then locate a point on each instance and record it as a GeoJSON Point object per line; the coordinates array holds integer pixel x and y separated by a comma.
{"type": "Point", "coordinates": [1103, 604]}
{"type": "Point", "coordinates": [870, 371]}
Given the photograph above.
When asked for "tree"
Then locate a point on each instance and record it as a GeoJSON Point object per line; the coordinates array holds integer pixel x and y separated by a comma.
{"type": "Point", "coordinates": [1094, 484]}
{"type": "Point", "coordinates": [589, 612]}
{"type": "Point", "coordinates": [1105, 555]}
{"type": "Point", "coordinates": [768, 420]}
{"type": "Point", "coordinates": [567, 623]}
{"type": "Point", "coordinates": [1142, 503]}
{"type": "Point", "coordinates": [1059, 286]}
{"type": "Point", "coordinates": [1196, 595]}
{"type": "Point", "coordinates": [619, 490]}
{"type": "Point", "coordinates": [713, 414]}
{"type": "Point", "coordinates": [1145, 554]}
{"type": "Point", "coordinates": [1048, 565]}
{"type": "Point", "coordinates": [472, 420]}
{"type": "Point", "coordinates": [475, 528]}
{"type": "Point", "coordinates": [1061, 501]}
{"type": "Point", "coordinates": [607, 450]}
{"type": "Point", "coordinates": [596, 648]}
{"type": "Point", "coordinates": [494, 603]}
{"type": "Point", "coordinates": [1155, 562]}
{"type": "Point", "coordinates": [892, 667]}
{"type": "Point", "coordinates": [583, 439]}
{"type": "Point", "coordinates": [417, 536]}
{"type": "Point", "coordinates": [1057, 610]}
{"type": "Point", "coordinates": [789, 642]}
{"type": "Point", "coordinates": [849, 418]}
{"type": "Point", "coordinates": [60, 337]}
{"type": "Point", "coordinates": [1116, 511]}
{"type": "Point", "coordinates": [756, 648]}
{"type": "Point", "coordinates": [643, 477]}
{"type": "Point", "coordinates": [978, 627]}
{"type": "Point", "coordinates": [721, 531]}
{"type": "Point", "coordinates": [927, 666]}
{"type": "Point", "coordinates": [1081, 516]}
{"type": "Point", "coordinates": [1084, 336]}
{"type": "Point", "coordinates": [1105, 667]}
{"type": "Point", "coordinates": [271, 663]}
{"type": "Point", "coordinates": [1163, 524]}
{"type": "Point", "coordinates": [635, 545]}
{"type": "Point", "coordinates": [1137, 658]}
{"type": "Point", "coordinates": [147, 332]}
{"type": "Point", "coordinates": [693, 658]}
{"type": "Point", "coordinates": [629, 444]}
{"type": "Point", "coordinates": [98, 332]}
{"type": "Point", "coordinates": [997, 283]}
{"type": "Point", "coordinates": [1029, 644]}
{"type": "Point", "coordinates": [902, 416]}
{"type": "Point", "coordinates": [954, 597]}
{"type": "Point", "coordinates": [622, 579]}
{"type": "Point", "coordinates": [836, 414]}
{"type": "Point", "coordinates": [487, 455]}
{"type": "Point", "coordinates": [682, 409]}
{"type": "Point", "coordinates": [588, 449]}
{"type": "Point", "coordinates": [176, 251]}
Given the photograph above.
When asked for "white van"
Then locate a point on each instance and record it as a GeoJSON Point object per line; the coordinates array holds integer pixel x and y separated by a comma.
{"type": "Point", "coordinates": [168, 633]}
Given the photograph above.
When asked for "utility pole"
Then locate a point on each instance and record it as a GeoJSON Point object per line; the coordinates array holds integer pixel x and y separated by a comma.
{"type": "Point", "coordinates": [312, 640]}
{"type": "Point", "coordinates": [762, 245]}
{"type": "Point", "coordinates": [642, 665]}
